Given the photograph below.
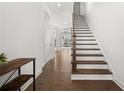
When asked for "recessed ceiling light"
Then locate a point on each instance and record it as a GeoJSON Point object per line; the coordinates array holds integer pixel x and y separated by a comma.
{"type": "Point", "coordinates": [58, 4]}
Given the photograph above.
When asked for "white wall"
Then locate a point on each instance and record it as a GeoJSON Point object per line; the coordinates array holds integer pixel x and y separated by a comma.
{"type": "Point", "coordinates": [23, 33]}
{"type": "Point", "coordinates": [62, 14]}
{"type": "Point", "coordinates": [1, 28]}
{"type": "Point", "coordinates": [82, 8]}
{"type": "Point", "coordinates": [107, 22]}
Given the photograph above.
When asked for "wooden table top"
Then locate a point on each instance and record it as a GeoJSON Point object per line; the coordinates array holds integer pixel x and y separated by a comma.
{"type": "Point", "coordinates": [14, 64]}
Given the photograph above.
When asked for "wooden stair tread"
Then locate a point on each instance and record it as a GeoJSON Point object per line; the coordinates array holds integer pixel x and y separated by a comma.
{"type": "Point", "coordinates": [92, 71]}
{"type": "Point", "coordinates": [87, 49]}
{"type": "Point", "coordinates": [90, 62]}
{"type": "Point", "coordinates": [81, 29]}
{"type": "Point", "coordinates": [85, 39]}
{"type": "Point", "coordinates": [80, 21]}
{"type": "Point", "coordinates": [87, 55]}
{"type": "Point", "coordinates": [16, 83]}
{"type": "Point", "coordinates": [84, 24]}
{"type": "Point", "coordinates": [86, 44]}
{"type": "Point", "coordinates": [80, 25]}
{"type": "Point", "coordinates": [83, 36]}
{"type": "Point", "coordinates": [83, 33]}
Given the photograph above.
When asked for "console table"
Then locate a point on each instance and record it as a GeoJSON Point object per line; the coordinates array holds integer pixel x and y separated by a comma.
{"type": "Point", "coordinates": [21, 79]}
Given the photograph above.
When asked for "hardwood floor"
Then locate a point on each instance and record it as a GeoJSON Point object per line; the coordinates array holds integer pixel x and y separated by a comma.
{"type": "Point", "coordinates": [56, 76]}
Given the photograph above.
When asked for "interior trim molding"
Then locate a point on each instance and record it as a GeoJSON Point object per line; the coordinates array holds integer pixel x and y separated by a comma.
{"type": "Point", "coordinates": [118, 82]}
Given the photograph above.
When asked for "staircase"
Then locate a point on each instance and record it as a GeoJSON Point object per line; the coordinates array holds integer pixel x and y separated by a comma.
{"type": "Point", "coordinates": [88, 62]}
{"type": "Point", "coordinates": [77, 8]}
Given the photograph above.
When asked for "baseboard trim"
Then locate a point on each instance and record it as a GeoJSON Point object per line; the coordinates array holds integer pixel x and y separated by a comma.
{"type": "Point", "coordinates": [29, 82]}
{"type": "Point", "coordinates": [118, 82]}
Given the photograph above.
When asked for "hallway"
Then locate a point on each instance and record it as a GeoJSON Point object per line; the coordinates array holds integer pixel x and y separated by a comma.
{"type": "Point", "coordinates": [56, 76]}
{"type": "Point", "coordinates": [71, 46]}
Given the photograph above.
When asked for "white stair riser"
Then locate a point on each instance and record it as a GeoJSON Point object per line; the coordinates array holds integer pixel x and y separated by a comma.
{"type": "Point", "coordinates": [80, 20]}
{"type": "Point", "coordinates": [87, 46]}
{"type": "Point", "coordinates": [92, 66]}
{"type": "Point", "coordinates": [87, 42]}
{"type": "Point", "coordinates": [80, 24]}
{"type": "Point", "coordinates": [88, 52]}
{"type": "Point", "coordinates": [84, 35]}
{"type": "Point", "coordinates": [79, 17]}
{"type": "Point", "coordinates": [91, 77]}
{"type": "Point", "coordinates": [90, 58]}
{"type": "Point", "coordinates": [85, 38]}
{"type": "Point", "coordinates": [83, 32]}
{"type": "Point", "coordinates": [82, 29]}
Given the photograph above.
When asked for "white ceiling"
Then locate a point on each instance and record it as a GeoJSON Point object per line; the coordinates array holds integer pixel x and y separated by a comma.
{"type": "Point", "coordinates": [62, 14]}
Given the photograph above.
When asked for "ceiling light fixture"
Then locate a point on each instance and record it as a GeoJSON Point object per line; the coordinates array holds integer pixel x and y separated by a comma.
{"type": "Point", "coordinates": [58, 4]}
